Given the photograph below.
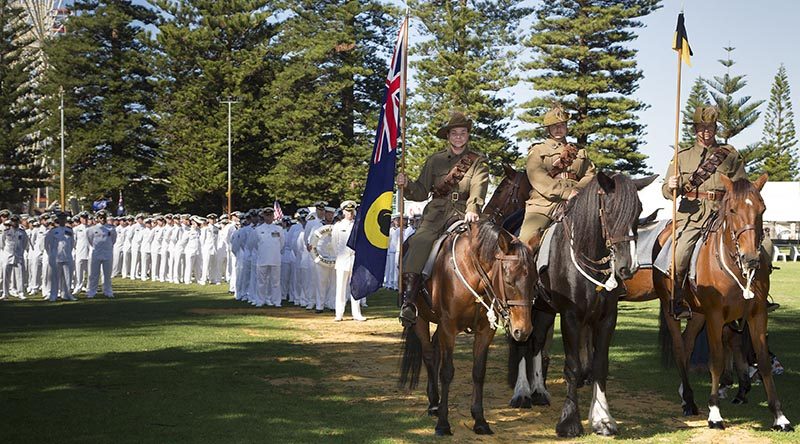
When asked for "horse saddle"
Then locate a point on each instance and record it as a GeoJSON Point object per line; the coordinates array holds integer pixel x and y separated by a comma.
{"type": "Point", "coordinates": [458, 226]}
{"type": "Point", "coordinates": [664, 258]}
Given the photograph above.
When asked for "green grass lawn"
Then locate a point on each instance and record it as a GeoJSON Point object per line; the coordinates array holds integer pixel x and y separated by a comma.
{"type": "Point", "coordinates": [169, 363]}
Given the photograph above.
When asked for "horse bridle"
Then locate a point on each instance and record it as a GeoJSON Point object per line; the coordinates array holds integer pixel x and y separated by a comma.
{"type": "Point", "coordinates": [512, 199]}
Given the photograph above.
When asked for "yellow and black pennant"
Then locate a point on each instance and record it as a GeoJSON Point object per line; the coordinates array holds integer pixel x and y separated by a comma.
{"type": "Point", "coordinates": [680, 42]}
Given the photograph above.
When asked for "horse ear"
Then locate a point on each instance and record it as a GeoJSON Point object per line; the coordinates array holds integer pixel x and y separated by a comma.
{"type": "Point", "coordinates": [504, 242]}
{"type": "Point", "coordinates": [606, 182]}
{"type": "Point", "coordinates": [642, 182]}
{"type": "Point", "coordinates": [759, 183]}
{"type": "Point", "coordinates": [727, 182]}
{"type": "Point", "coordinates": [509, 170]}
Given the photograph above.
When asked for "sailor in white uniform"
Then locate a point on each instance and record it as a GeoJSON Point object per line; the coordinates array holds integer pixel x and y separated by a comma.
{"type": "Point", "coordinates": [13, 242]}
{"type": "Point", "coordinates": [59, 243]}
{"type": "Point", "coordinates": [344, 262]}
{"type": "Point", "coordinates": [101, 237]}
{"type": "Point", "coordinates": [81, 252]}
{"type": "Point", "coordinates": [270, 242]}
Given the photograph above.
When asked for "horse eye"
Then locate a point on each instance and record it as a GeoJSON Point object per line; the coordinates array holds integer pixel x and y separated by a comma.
{"type": "Point", "coordinates": [733, 211]}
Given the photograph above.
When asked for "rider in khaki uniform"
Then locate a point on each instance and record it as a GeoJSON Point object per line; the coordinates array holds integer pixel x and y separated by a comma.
{"type": "Point", "coordinates": [700, 167]}
{"type": "Point", "coordinates": [457, 179]}
{"type": "Point", "coordinates": [557, 170]}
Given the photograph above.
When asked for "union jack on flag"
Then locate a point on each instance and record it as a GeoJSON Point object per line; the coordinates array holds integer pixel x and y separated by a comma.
{"type": "Point", "coordinates": [370, 236]}
{"type": "Point", "coordinates": [389, 124]}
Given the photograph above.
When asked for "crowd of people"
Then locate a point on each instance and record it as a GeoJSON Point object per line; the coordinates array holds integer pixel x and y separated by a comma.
{"type": "Point", "coordinates": [302, 260]}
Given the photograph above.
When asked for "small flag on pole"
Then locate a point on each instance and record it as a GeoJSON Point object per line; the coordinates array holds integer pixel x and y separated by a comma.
{"type": "Point", "coordinates": [680, 42]}
{"type": "Point", "coordinates": [278, 212]}
{"type": "Point", "coordinates": [370, 236]}
{"type": "Point", "coordinates": [120, 205]}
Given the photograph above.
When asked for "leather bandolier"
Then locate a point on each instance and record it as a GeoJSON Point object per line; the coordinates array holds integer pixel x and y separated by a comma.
{"type": "Point", "coordinates": [565, 160]}
{"type": "Point", "coordinates": [706, 169]}
{"type": "Point", "coordinates": [446, 186]}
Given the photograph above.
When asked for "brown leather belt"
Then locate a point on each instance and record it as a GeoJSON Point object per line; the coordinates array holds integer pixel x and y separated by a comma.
{"type": "Point", "coordinates": [452, 197]}
{"type": "Point", "coordinates": [710, 195]}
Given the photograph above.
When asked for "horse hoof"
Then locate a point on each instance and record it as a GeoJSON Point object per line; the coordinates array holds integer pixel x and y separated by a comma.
{"type": "Point", "coordinates": [444, 431]}
{"type": "Point", "coordinates": [482, 429]}
{"type": "Point", "coordinates": [540, 399]}
{"type": "Point", "coordinates": [690, 410]}
{"type": "Point", "coordinates": [716, 425]}
{"type": "Point", "coordinates": [783, 428]}
{"type": "Point", "coordinates": [433, 411]}
{"type": "Point", "coordinates": [739, 400]}
{"type": "Point", "coordinates": [520, 402]}
{"type": "Point", "coordinates": [605, 429]}
{"type": "Point", "coordinates": [569, 430]}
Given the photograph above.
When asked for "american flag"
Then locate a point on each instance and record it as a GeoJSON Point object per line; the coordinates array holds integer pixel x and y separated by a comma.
{"type": "Point", "coordinates": [278, 212]}
{"type": "Point", "coordinates": [390, 117]}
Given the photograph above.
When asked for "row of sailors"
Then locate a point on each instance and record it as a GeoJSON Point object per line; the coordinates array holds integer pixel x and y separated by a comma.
{"type": "Point", "coordinates": [275, 262]}
{"type": "Point", "coordinates": [410, 225]}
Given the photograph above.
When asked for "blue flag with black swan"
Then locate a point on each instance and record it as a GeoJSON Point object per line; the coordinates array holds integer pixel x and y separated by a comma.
{"type": "Point", "coordinates": [370, 236]}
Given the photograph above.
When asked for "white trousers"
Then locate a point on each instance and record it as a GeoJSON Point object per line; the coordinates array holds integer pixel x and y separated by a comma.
{"type": "Point", "coordinates": [191, 265]}
{"type": "Point", "coordinates": [232, 277]}
{"type": "Point", "coordinates": [155, 265]}
{"type": "Point", "coordinates": [326, 287]}
{"type": "Point", "coordinates": [269, 285]}
{"type": "Point", "coordinates": [35, 268]}
{"type": "Point", "coordinates": [175, 260]}
{"type": "Point", "coordinates": [210, 274]}
{"type": "Point", "coordinates": [136, 256]}
{"type": "Point", "coordinates": [242, 279]}
{"type": "Point", "coordinates": [390, 273]}
{"type": "Point", "coordinates": [343, 294]}
{"type": "Point", "coordinates": [60, 280]}
{"type": "Point", "coordinates": [15, 274]}
{"type": "Point", "coordinates": [144, 265]}
{"type": "Point", "coordinates": [163, 265]}
{"type": "Point", "coordinates": [81, 273]}
{"type": "Point", "coordinates": [286, 281]}
{"type": "Point", "coordinates": [95, 267]}
{"type": "Point", "coordinates": [303, 288]}
{"type": "Point", "coordinates": [117, 269]}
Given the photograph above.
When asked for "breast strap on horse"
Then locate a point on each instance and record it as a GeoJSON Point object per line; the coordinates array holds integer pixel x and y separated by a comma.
{"type": "Point", "coordinates": [706, 169]}
{"type": "Point", "coordinates": [449, 183]}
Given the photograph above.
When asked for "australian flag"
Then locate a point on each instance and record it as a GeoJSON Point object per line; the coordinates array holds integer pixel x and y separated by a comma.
{"type": "Point", "coordinates": [370, 236]}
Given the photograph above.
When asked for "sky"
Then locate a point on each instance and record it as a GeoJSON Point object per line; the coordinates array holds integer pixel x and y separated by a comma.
{"type": "Point", "coordinates": [765, 34]}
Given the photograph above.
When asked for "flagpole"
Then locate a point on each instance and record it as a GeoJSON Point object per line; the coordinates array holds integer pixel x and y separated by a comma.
{"type": "Point", "coordinates": [400, 203]}
{"type": "Point", "coordinates": [676, 174]}
{"type": "Point", "coordinates": [61, 178]}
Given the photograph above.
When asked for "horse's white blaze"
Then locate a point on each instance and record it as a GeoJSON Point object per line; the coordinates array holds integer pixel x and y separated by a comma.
{"type": "Point", "coordinates": [782, 421]}
{"type": "Point", "coordinates": [713, 414]}
{"type": "Point", "coordinates": [598, 410]}
{"type": "Point", "coordinates": [537, 384]}
{"type": "Point", "coordinates": [748, 202]}
{"type": "Point", "coordinates": [522, 388]}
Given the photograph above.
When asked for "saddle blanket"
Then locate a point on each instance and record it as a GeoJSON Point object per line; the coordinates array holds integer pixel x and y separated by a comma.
{"type": "Point", "coordinates": [543, 256]}
{"type": "Point", "coordinates": [648, 236]}
{"type": "Point", "coordinates": [664, 259]}
{"type": "Point", "coordinates": [428, 268]}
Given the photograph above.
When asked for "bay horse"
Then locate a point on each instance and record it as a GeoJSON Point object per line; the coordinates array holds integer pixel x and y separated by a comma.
{"type": "Point", "coordinates": [482, 278]}
{"type": "Point", "coordinates": [595, 241]}
{"type": "Point", "coordinates": [732, 283]}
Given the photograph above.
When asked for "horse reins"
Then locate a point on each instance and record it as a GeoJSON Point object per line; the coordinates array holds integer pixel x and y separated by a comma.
{"type": "Point", "coordinates": [737, 256]}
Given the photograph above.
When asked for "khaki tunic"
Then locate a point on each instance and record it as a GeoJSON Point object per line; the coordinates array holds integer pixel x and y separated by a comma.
{"type": "Point", "coordinates": [439, 211]}
{"type": "Point", "coordinates": [693, 213]}
{"type": "Point", "coordinates": [548, 192]}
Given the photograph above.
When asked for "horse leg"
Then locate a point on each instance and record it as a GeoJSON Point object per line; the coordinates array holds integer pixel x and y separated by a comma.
{"type": "Point", "coordinates": [681, 358]}
{"type": "Point", "coordinates": [429, 358]}
{"type": "Point", "coordinates": [714, 325]}
{"type": "Point", "coordinates": [757, 326]}
{"type": "Point", "coordinates": [585, 378]}
{"type": "Point", "coordinates": [446, 344]}
{"type": "Point", "coordinates": [520, 357]}
{"type": "Point", "coordinates": [543, 322]}
{"type": "Point", "coordinates": [569, 425]}
{"type": "Point", "coordinates": [599, 414]}
{"type": "Point", "coordinates": [735, 344]}
{"type": "Point", "coordinates": [480, 352]}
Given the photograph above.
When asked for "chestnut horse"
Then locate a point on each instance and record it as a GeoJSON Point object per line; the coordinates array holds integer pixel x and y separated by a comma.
{"type": "Point", "coordinates": [732, 283]}
{"type": "Point", "coordinates": [482, 278]}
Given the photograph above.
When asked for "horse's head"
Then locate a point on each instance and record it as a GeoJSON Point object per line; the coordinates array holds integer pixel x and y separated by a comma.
{"type": "Point", "coordinates": [742, 211]}
{"type": "Point", "coordinates": [512, 273]}
{"type": "Point", "coordinates": [620, 208]}
{"type": "Point", "coordinates": [509, 196]}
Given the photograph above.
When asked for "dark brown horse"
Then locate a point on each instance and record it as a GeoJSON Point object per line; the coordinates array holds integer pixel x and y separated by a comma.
{"type": "Point", "coordinates": [732, 284]}
{"type": "Point", "coordinates": [482, 279]}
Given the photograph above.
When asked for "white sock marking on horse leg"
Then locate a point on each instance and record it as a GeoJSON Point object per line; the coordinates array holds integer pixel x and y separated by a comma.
{"type": "Point", "coordinates": [599, 413]}
{"type": "Point", "coordinates": [522, 388]}
{"type": "Point", "coordinates": [537, 385]}
{"type": "Point", "coordinates": [680, 393]}
{"type": "Point", "coordinates": [713, 414]}
{"type": "Point", "coordinates": [782, 421]}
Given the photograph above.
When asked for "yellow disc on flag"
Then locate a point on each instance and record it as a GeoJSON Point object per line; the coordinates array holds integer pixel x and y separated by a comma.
{"type": "Point", "coordinates": [378, 220]}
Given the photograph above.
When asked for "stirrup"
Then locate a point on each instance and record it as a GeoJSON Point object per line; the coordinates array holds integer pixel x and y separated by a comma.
{"type": "Point", "coordinates": [406, 321]}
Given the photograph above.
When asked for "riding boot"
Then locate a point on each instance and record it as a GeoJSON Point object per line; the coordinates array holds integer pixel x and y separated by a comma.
{"type": "Point", "coordinates": [411, 286]}
{"type": "Point", "coordinates": [680, 309]}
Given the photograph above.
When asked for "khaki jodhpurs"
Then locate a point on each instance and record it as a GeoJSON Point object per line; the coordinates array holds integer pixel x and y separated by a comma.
{"type": "Point", "coordinates": [533, 225]}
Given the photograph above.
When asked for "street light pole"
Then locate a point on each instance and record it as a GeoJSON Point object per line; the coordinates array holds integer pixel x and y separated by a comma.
{"type": "Point", "coordinates": [61, 109]}
{"type": "Point", "coordinates": [230, 102]}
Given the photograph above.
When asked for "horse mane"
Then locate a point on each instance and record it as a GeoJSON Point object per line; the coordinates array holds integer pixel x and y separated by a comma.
{"type": "Point", "coordinates": [488, 240]}
{"type": "Point", "coordinates": [620, 212]}
{"type": "Point", "coordinates": [742, 189]}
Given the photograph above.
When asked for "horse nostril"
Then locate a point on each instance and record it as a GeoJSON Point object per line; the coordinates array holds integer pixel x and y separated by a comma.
{"type": "Point", "coordinates": [517, 334]}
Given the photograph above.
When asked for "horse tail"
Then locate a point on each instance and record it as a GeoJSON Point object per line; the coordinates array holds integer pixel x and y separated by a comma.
{"type": "Point", "coordinates": [516, 351]}
{"type": "Point", "coordinates": [412, 358]}
{"type": "Point", "coordinates": [665, 342]}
